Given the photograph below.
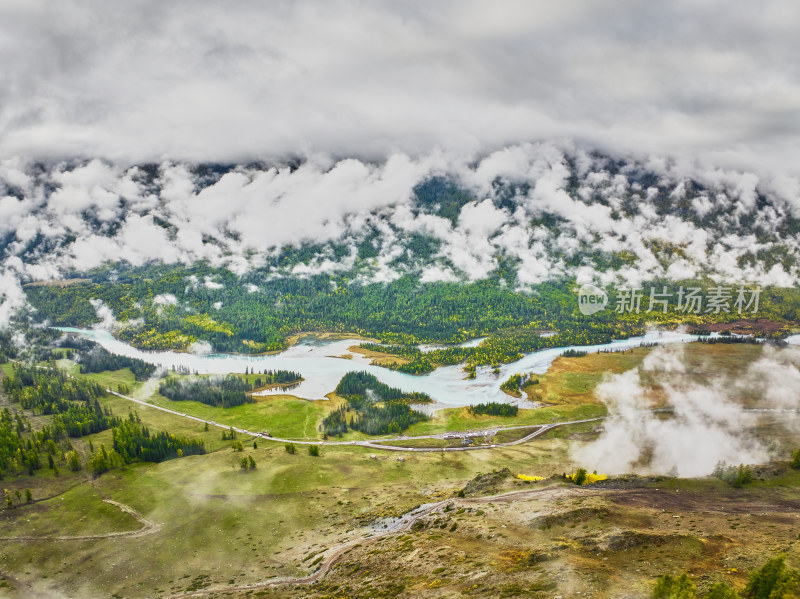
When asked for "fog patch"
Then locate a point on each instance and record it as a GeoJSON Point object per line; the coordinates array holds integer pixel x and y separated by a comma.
{"type": "Point", "coordinates": [706, 425]}
{"type": "Point", "coordinates": [201, 348]}
{"type": "Point", "coordinates": [105, 314]}
{"type": "Point", "coordinates": [776, 378]}
{"type": "Point", "coordinates": [149, 387]}
{"type": "Point", "coordinates": [165, 299]}
{"type": "Point", "coordinates": [12, 298]}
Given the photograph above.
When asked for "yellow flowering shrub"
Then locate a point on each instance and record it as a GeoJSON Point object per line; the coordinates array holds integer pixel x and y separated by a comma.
{"type": "Point", "coordinates": [585, 478]}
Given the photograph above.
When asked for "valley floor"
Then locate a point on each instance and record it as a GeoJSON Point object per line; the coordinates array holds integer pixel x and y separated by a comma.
{"type": "Point", "coordinates": [356, 522]}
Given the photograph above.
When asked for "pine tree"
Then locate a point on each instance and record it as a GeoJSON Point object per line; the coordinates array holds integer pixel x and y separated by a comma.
{"type": "Point", "coordinates": [73, 461]}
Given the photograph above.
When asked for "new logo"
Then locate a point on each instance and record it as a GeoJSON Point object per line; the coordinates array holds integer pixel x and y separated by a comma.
{"type": "Point", "coordinates": [591, 299]}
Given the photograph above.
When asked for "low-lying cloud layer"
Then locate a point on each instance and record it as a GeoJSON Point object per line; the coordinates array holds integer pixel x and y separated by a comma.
{"type": "Point", "coordinates": [551, 211]}
{"type": "Point", "coordinates": [707, 425]}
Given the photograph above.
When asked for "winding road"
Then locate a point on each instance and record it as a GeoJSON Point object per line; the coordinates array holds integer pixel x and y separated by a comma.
{"type": "Point", "coordinates": [542, 428]}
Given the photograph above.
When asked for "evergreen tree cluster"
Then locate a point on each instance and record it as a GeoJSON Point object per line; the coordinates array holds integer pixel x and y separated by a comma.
{"type": "Point", "coordinates": [276, 377]}
{"type": "Point", "coordinates": [75, 409]}
{"type": "Point", "coordinates": [7, 350]}
{"type": "Point", "coordinates": [377, 408]}
{"type": "Point", "coordinates": [17, 452]}
{"type": "Point", "coordinates": [48, 391]}
{"type": "Point", "coordinates": [134, 442]}
{"type": "Point", "coordinates": [494, 408]}
{"type": "Point", "coordinates": [517, 382]}
{"type": "Point", "coordinates": [23, 449]}
{"type": "Point", "coordinates": [79, 420]}
{"type": "Point", "coordinates": [774, 580]}
{"type": "Point", "coordinates": [401, 312]}
{"type": "Point", "coordinates": [742, 339]}
{"type": "Point", "coordinates": [100, 360]}
{"type": "Point", "coordinates": [736, 476]}
{"type": "Point", "coordinates": [225, 392]}
{"type": "Point", "coordinates": [390, 418]}
{"type": "Point", "coordinates": [39, 389]}
{"type": "Point", "coordinates": [72, 402]}
{"type": "Point", "coordinates": [503, 347]}
{"type": "Point", "coordinates": [335, 423]}
{"type": "Point", "coordinates": [357, 385]}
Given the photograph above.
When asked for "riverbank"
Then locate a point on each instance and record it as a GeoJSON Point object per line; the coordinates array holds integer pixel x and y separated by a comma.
{"type": "Point", "coordinates": [315, 359]}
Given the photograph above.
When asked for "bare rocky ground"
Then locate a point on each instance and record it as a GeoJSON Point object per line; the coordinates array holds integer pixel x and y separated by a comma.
{"type": "Point", "coordinates": [551, 539]}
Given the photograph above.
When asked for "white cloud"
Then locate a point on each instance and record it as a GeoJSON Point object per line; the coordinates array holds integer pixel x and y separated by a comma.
{"type": "Point", "coordinates": [776, 378]}
{"type": "Point", "coordinates": [175, 214]}
{"type": "Point", "coordinates": [105, 314]}
{"type": "Point", "coordinates": [209, 283]}
{"type": "Point", "coordinates": [201, 81]}
{"type": "Point", "coordinates": [250, 212]}
{"type": "Point", "coordinates": [437, 273]}
{"type": "Point", "coordinates": [12, 298]}
{"type": "Point", "coordinates": [165, 299]}
{"type": "Point", "coordinates": [706, 427]}
{"type": "Point", "coordinates": [201, 348]}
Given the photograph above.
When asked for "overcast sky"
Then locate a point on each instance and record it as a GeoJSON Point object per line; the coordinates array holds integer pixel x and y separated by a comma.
{"type": "Point", "coordinates": [233, 81]}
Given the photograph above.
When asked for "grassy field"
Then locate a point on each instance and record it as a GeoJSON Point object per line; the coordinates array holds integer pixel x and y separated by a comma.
{"type": "Point", "coordinates": [288, 417]}
{"type": "Point", "coordinates": [379, 358]}
{"type": "Point", "coordinates": [281, 415]}
{"type": "Point", "coordinates": [234, 527]}
{"type": "Point", "coordinates": [708, 361]}
{"type": "Point", "coordinates": [436, 443]}
{"type": "Point", "coordinates": [158, 420]}
{"type": "Point", "coordinates": [461, 419]}
{"type": "Point", "coordinates": [78, 511]}
{"type": "Point", "coordinates": [569, 384]}
{"type": "Point", "coordinates": [513, 435]}
{"type": "Point", "coordinates": [572, 380]}
{"type": "Point", "coordinates": [239, 526]}
{"type": "Point", "coordinates": [8, 368]}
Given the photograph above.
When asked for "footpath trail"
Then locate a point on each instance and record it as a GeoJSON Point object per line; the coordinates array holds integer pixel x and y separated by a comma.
{"type": "Point", "coordinates": [148, 527]}
{"type": "Point", "coordinates": [403, 524]}
{"type": "Point", "coordinates": [381, 444]}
